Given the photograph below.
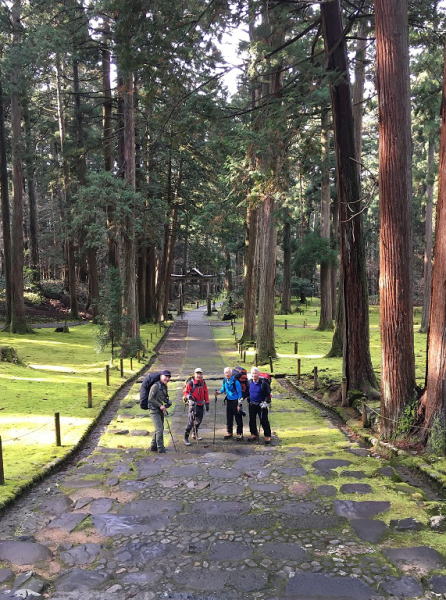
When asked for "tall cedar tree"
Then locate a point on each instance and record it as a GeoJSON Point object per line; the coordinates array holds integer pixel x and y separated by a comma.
{"type": "Point", "coordinates": [396, 321]}
{"type": "Point", "coordinates": [357, 364]}
{"type": "Point", "coordinates": [433, 399]}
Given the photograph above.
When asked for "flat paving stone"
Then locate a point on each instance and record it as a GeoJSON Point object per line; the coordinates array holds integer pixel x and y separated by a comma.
{"type": "Point", "coordinates": [317, 586]}
{"type": "Point", "coordinates": [229, 489]}
{"type": "Point", "coordinates": [5, 574]}
{"type": "Point", "coordinates": [420, 559]}
{"type": "Point", "coordinates": [293, 471]}
{"type": "Point", "coordinates": [408, 587]}
{"type": "Point", "coordinates": [248, 580]}
{"type": "Point", "coordinates": [81, 483]}
{"type": "Point", "coordinates": [369, 530]}
{"type": "Point", "coordinates": [205, 580]}
{"type": "Point", "coordinates": [23, 553]}
{"type": "Point", "coordinates": [139, 554]}
{"type": "Point", "coordinates": [284, 551]}
{"type": "Point", "coordinates": [408, 524]}
{"type": "Point", "coordinates": [297, 508]}
{"type": "Point", "coordinates": [111, 525]}
{"type": "Point", "coordinates": [150, 507]}
{"type": "Point", "coordinates": [354, 474]}
{"type": "Point", "coordinates": [265, 487]}
{"type": "Point", "coordinates": [56, 505]}
{"type": "Point", "coordinates": [229, 551]}
{"type": "Point", "coordinates": [80, 580]}
{"type": "Point", "coordinates": [358, 451]}
{"type": "Point", "coordinates": [224, 473]}
{"type": "Point", "coordinates": [224, 507]}
{"type": "Point", "coordinates": [68, 522]}
{"type": "Point", "coordinates": [315, 522]}
{"type": "Point", "coordinates": [100, 505]}
{"type": "Point", "coordinates": [250, 462]}
{"type": "Point", "coordinates": [142, 578]}
{"type": "Point", "coordinates": [326, 465]}
{"type": "Point", "coordinates": [83, 554]}
{"type": "Point", "coordinates": [327, 490]}
{"type": "Point", "coordinates": [185, 471]}
{"type": "Point", "coordinates": [359, 510]}
{"type": "Point", "coordinates": [438, 584]}
{"type": "Point", "coordinates": [356, 488]}
{"type": "Point", "coordinates": [149, 469]}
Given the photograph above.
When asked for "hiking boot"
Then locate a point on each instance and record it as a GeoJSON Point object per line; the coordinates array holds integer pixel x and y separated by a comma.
{"type": "Point", "coordinates": [253, 438]}
{"type": "Point", "coordinates": [239, 438]}
{"type": "Point", "coordinates": [267, 441]}
{"type": "Point", "coordinates": [161, 451]}
{"type": "Point", "coordinates": [196, 437]}
{"type": "Point", "coordinates": [153, 449]}
{"type": "Point", "coordinates": [228, 436]}
{"type": "Point", "coordinates": [186, 441]}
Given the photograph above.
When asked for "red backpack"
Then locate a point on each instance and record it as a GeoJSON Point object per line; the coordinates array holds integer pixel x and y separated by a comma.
{"type": "Point", "coordinates": [241, 375]}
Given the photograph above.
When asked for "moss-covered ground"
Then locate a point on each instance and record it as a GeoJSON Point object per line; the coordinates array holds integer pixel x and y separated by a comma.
{"type": "Point", "coordinates": [53, 378]}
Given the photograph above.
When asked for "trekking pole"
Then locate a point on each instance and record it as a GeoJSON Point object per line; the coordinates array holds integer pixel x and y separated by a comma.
{"type": "Point", "coordinates": [215, 416]}
{"type": "Point", "coordinates": [170, 431]}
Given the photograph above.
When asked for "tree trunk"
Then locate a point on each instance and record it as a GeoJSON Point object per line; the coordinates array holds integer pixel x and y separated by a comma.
{"type": "Point", "coordinates": [150, 277]}
{"type": "Point", "coordinates": [131, 321]}
{"type": "Point", "coordinates": [427, 272]}
{"type": "Point", "coordinates": [434, 394]}
{"type": "Point", "coordinates": [18, 319]}
{"type": "Point", "coordinates": [228, 272]}
{"type": "Point", "coordinates": [250, 284]}
{"type": "Point", "coordinates": [326, 312]}
{"type": "Point", "coordinates": [356, 352]}
{"type": "Point", "coordinates": [33, 228]}
{"type": "Point", "coordinates": [358, 86]}
{"type": "Point", "coordinates": [285, 308]}
{"type": "Point", "coordinates": [6, 217]}
{"type": "Point", "coordinates": [396, 322]}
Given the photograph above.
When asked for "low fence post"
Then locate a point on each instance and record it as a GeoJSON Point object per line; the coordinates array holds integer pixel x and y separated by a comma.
{"type": "Point", "coordinates": [364, 415]}
{"type": "Point", "coordinates": [131, 364]}
{"type": "Point", "coordinates": [89, 394]}
{"type": "Point", "coordinates": [286, 324]}
{"type": "Point", "coordinates": [271, 364]}
{"type": "Point", "coordinates": [2, 472]}
{"type": "Point", "coordinates": [121, 366]}
{"type": "Point", "coordinates": [107, 374]}
{"type": "Point", "coordinates": [316, 379]}
{"type": "Point", "coordinates": [57, 427]}
{"type": "Point", "coordinates": [299, 364]}
{"type": "Point", "coordinates": [296, 346]}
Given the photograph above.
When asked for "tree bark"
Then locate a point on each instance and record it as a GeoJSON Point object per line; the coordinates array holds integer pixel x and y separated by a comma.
{"type": "Point", "coordinates": [18, 320]}
{"type": "Point", "coordinates": [433, 397]}
{"type": "Point", "coordinates": [250, 279]}
{"type": "Point", "coordinates": [358, 369]}
{"type": "Point", "coordinates": [6, 217]}
{"type": "Point", "coordinates": [428, 241]}
{"type": "Point", "coordinates": [285, 308]}
{"type": "Point", "coordinates": [228, 272]}
{"type": "Point", "coordinates": [150, 277]}
{"type": "Point", "coordinates": [32, 201]}
{"type": "Point", "coordinates": [396, 322]}
{"type": "Point", "coordinates": [326, 312]}
{"type": "Point", "coordinates": [358, 86]}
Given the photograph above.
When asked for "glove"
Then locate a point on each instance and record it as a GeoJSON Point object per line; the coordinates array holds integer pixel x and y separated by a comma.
{"type": "Point", "coordinates": [264, 404]}
{"type": "Point", "coordinates": [207, 407]}
{"type": "Point", "coordinates": [168, 404]}
{"type": "Point", "coordinates": [191, 402]}
{"type": "Point", "coordinates": [240, 402]}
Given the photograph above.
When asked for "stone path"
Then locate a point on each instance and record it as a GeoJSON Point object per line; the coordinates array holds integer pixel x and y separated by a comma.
{"type": "Point", "coordinates": [313, 517]}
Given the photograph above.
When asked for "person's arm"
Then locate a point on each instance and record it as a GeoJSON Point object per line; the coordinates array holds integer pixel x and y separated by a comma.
{"type": "Point", "coordinates": [222, 389]}
{"type": "Point", "coordinates": [155, 398]}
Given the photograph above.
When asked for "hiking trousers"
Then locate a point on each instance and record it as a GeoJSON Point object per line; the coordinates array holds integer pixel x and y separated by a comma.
{"type": "Point", "coordinates": [254, 410]}
{"type": "Point", "coordinates": [195, 418]}
{"type": "Point", "coordinates": [232, 413]}
{"type": "Point", "coordinates": [158, 436]}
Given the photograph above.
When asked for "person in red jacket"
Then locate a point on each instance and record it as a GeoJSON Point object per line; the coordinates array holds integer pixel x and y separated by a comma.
{"type": "Point", "coordinates": [196, 394]}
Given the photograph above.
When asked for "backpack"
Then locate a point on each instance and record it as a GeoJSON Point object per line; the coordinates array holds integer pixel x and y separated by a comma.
{"type": "Point", "coordinates": [145, 389]}
{"type": "Point", "coordinates": [241, 375]}
{"type": "Point", "coordinates": [266, 378]}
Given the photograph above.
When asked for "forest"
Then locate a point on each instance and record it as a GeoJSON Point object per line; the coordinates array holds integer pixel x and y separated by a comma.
{"type": "Point", "coordinates": [126, 159]}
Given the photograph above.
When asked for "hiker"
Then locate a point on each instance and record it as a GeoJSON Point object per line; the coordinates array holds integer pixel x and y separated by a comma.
{"type": "Point", "coordinates": [259, 399]}
{"type": "Point", "coordinates": [158, 403]}
{"type": "Point", "coordinates": [196, 394]}
{"type": "Point", "coordinates": [234, 406]}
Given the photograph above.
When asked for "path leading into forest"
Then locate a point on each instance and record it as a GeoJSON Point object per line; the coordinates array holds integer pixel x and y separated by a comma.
{"type": "Point", "coordinates": [305, 519]}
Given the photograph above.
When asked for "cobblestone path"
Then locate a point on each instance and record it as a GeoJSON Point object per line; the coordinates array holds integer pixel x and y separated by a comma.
{"type": "Point", "coordinates": [312, 517]}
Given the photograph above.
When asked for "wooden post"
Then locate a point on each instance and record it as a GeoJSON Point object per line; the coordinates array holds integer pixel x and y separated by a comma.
{"type": "Point", "coordinates": [244, 356]}
{"type": "Point", "coordinates": [131, 364]}
{"type": "Point", "coordinates": [271, 364]}
{"type": "Point", "coordinates": [316, 379]}
{"type": "Point", "coordinates": [121, 366]}
{"type": "Point", "coordinates": [315, 312]}
{"type": "Point", "coordinates": [365, 418]}
{"type": "Point", "coordinates": [89, 395]}
{"type": "Point", "coordinates": [296, 347]}
{"type": "Point", "coordinates": [147, 342]}
{"type": "Point", "coordinates": [344, 400]}
{"type": "Point", "coordinates": [57, 426]}
{"type": "Point", "coordinates": [138, 356]}
{"type": "Point", "coordinates": [299, 364]}
{"type": "Point", "coordinates": [286, 324]}
{"type": "Point", "coordinates": [2, 472]}
{"type": "Point", "coordinates": [107, 374]}
{"type": "Point", "coordinates": [151, 337]}
{"type": "Point", "coordinates": [198, 304]}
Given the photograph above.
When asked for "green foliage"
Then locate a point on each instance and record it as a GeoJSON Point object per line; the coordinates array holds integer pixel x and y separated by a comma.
{"type": "Point", "coordinates": [407, 418]}
{"type": "Point", "coordinates": [110, 318]}
{"type": "Point", "coordinates": [313, 251]}
{"type": "Point", "coordinates": [437, 438]}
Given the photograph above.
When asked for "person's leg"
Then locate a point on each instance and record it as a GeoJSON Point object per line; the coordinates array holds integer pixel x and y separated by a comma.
{"type": "Point", "coordinates": [160, 432]}
{"type": "Point", "coordinates": [253, 420]}
{"type": "Point", "coordinates": [265, 423]}
{"type": "Point", "coordinates": [198, 417]}
{"type": "Point", "coordinates": [153, 445]}
{"type": "Point", "coordinates": [190, 422]}
{"type": "Point", "coordinates": [229, 417]}
{"type": "Point", "coordinates": [238, 420]}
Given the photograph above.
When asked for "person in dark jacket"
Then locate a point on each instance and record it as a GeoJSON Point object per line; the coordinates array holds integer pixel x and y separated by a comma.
{"type": "Point", "coordinates": [234, 409]}
{"type": "Point", "coordinates": [158, 403]}
{"type": "Point", "coordinates": [196, 395]}
{"type": "Point", "coordinates": [259, 398]}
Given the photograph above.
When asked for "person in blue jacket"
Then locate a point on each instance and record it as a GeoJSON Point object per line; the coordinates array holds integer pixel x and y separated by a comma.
{"type": "Point", "coordinates": [234, 409]}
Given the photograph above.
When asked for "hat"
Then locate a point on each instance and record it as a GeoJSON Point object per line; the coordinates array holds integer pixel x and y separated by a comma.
{"type": "Point", "coordinates": [198, 370]}
{"type": "Point", "coordinates": [166, 372]}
